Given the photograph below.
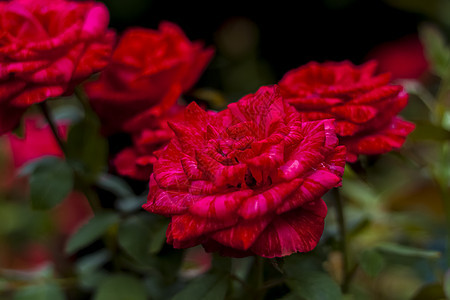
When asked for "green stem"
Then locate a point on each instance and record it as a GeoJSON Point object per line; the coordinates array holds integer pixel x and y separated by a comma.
{"type": "Point", "coordinates": [343, 240]}
{"type": "Point", "coordinates": [53, 127]}
{"type": "Point", "coordinates": [259, 277]}
{"type": "Point", "coordinates": [84, 187]}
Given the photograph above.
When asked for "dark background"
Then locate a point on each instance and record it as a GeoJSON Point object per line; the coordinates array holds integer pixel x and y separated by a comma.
{"type": "Point", "coordinates": [271, 39]}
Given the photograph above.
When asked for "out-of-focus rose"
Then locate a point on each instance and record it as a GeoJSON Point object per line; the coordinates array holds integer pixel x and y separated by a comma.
{"type": "Point", "coordinates": [137, 161]}
{"type": "Point", "coordinates": [365, 106]}
{"type": "Point", "coordinates": [38, 141]}
{"type": "Point", "coordinates": [149, 71]}
{"type": "Point", "coordinates": [403, 58]}
{"type": "Point", "coordinates": [247, 180]}
{"type": "Point", "coordinates": [46, 47]}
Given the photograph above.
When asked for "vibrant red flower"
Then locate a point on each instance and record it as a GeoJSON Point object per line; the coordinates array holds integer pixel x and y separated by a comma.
{"type": "Point", "coordinates": [403, 58]}
{"type": "Point", "coordinates": [137, 160]}
{"type": "Point", "coordinates": [150, 69]}
{"type": "Point", "coordinates": [247, 180]}
{"type": "Point", "coordinates": [365, 106]}
{"type": "Point", "coordinates": [46, 47]}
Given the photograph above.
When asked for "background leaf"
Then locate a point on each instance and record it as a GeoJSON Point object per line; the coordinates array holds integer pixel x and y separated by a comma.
{"type": "Point", "coordinates": [91, 231]}
{"type": "Point", "coordinates": [50, 183]}
{"type": "Point", "coordinates": [121, 287]}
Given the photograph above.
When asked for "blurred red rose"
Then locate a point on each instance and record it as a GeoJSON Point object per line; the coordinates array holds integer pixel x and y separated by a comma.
{"type": "Point", "coordinates": [247, 180]}
{"type": "Point", "coordinates": [364, 105]}
{"type": "Point", "coordinates": [403, 58]}
{"type": "Point", "coordinates": [46, 47]}
{"type": "Point", "coordinates": [150, 69]}
{"type": "Point", "coordinates": [137, 161]}
{"type": "Point", "coordinates": [38, 141]}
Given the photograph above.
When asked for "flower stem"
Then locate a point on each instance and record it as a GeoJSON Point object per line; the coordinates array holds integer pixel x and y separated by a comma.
{"type": "Point", "coordinates": [258, 268]}
{"type": "Point", "coordinates": [85, 188]}
{"type": "Point", "coordinates": [45, 111]}
{"type": "Point", "coordinates": [343, 240]}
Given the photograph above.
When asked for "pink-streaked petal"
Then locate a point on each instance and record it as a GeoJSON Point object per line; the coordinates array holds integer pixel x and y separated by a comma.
{"type": "Point", "coordinates": [313, 187]}
{"type": "Point", "coordinates": [265, 202]}
{"type": "Point", "coordinates": [188, 227]}
{"type": "Point", "coordinates": [296, 231]}
{"type": "Point", "coordinates": [243, 235]}
{"type": "Point", "coordinates": [166, 202]}
{"type": "Point", "coordinates": [219, 206]}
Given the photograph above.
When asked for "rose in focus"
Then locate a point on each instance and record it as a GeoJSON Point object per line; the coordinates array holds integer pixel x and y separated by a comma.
{"type": "Point", "coordinates": [247, 180]}
{"type": "Point", "coordinates": [46, 48]}
{"type": "Point", "coordinates": [364, 105]}
{"type": "Point", "coordinates": [149, 71]}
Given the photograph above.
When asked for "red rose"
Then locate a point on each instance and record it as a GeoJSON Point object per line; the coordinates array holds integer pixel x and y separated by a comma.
{"type": "Point", "coordinates": [247, 180]}
{"type": "Point", "coordinates": [149, 71]}
{"type": "Point", "coordinates": [137, 161]}
{"type": "Point", "coordinates": [364, 105]}
{"type": "Point", "coordinates": [46, 47]}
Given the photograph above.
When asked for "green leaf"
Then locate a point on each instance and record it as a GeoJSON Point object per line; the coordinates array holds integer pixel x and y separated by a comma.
{"type": "Point", "coordinates": [208, 286]}
{"type": "Point", "coordinates": [159, 237]}
{"type": "Point", "coordinates": [315, 286]}
{"type": "Point", "coordinates": [134, 237]}
{"type": "Point", "coordinates": [91, 262]}
{"type": "Point", "coordinates": [115, 185]}
{"type": "Point", "coordinates": [408, 251]}
{"type": "Point", "coordinates": [372, 262]}
{"type": "Point", "coordinates": [130, 204]}
{"type": "Point", "coordinates": [40, 292]}
{"type": "Point", "coordinates": [428, 131]}
{"type": "Point", "coordinates": [91, 231]}
{"type": "Point", "coordinates": [436, 50]}
{"type": "Point", "coordinates": [28, 168]}
{"type": "Point", "coordinates": [50, 183]}
{"type": "Point", "coordinates": [121, 287]}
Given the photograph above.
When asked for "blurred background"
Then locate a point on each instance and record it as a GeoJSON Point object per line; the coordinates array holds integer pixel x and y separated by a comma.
{"type": "Point", "coordinates": [256, 44]}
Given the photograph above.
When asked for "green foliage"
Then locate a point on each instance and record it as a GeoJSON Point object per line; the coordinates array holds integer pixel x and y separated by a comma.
{"type": "Point", "coordinates": [208, 287]}
{"type": "Point", "coordinates": [50, 182]}
{"type": "Point", "coordinates": [121, 287]}
{"type": "Point", "coordinates": [437, 52]}
{"type": "Point", "coordinates": [313, 285]}
{"type": "Point", "coordinates": [91, 231]}
{"type": "Point", "coordinates": [87, 149]}
{"type": "Point", "coordinates": [44, 291]}
{"type": "Point", "coordinates": [372, 262]}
